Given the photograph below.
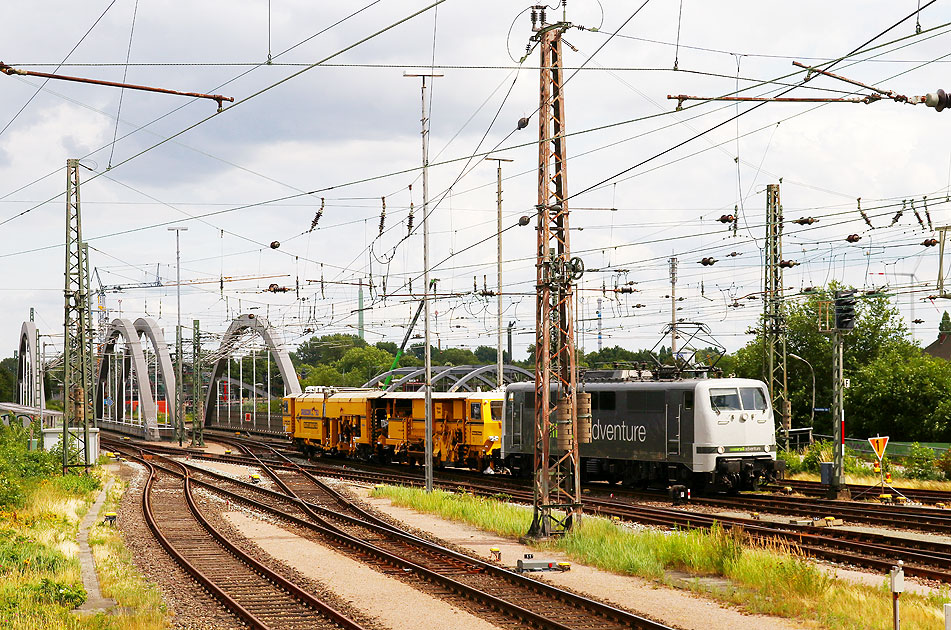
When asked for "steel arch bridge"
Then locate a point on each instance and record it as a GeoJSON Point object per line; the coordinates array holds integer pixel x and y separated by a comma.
{"type": "Point", "coordinates": [123, 376]}
{"type": "Point", "coordinates": [260, 327]}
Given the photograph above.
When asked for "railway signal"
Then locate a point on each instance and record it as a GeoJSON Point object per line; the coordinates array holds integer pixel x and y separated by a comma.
{"type": "Point", "coordinates": [845, 309]}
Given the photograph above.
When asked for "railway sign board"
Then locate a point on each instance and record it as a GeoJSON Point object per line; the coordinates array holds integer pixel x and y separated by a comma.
{"type": "Point", "coordinates": [247, 418]}
{"type": "Point", "coordinates": [878, 445]}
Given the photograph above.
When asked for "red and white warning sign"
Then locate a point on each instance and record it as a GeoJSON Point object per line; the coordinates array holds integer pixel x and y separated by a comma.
{"type": "Point", "coordinates": [247, 418]}
{"type": "Point", "coordinates": [878, 445]}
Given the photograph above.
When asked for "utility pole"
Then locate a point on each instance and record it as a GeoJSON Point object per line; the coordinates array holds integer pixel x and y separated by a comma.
{"type": "Point", "coordinates": [77, 407]}
{"type": "Point", "coordinates": [198, 418]}
{"type": "Point", "coordinates": [179, 402]}
{"type": "Point", "coordinates": [498, 202]}
{"type": "Point", "coordinates": [673, 310]}
{"type": "Point", "coordinates": [360, 331]}
{"type": "Point", "coordinates": [427, 354]}
{"type": "Point", "coordinates": [774, 319]}
{"type": "Point", "coordinates": [557, 479]}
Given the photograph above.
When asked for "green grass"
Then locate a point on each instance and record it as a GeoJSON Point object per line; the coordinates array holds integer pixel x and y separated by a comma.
{"type": "Point", "coordinates": [39, 568]}
{"type": "Point", "coordinates": [764, 578]}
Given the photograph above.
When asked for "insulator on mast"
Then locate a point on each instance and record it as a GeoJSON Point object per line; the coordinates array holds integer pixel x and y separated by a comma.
{"type": "Point", "coordinates": [868, 221]}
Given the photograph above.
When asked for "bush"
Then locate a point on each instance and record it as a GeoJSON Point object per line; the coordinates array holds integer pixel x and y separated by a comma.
{"type": "Point", "coordinates": [77, 484]}
{"type": "Point", "coordinates": [59, 593]}
{"type": "Point", "coordinates": [793, 459]}
{"type": "Point", "coordinates": [920, 463]}
{"type": "Point", "coordinates": [943, 463]}
{"type": "Point", "coordinates": [822, 451]}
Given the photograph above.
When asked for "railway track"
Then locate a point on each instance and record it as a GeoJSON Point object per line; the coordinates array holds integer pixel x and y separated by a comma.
{"type": "Point", "coordinates": [926, 559]}
{"type": "Point", "coordinates": [513, 600]}
{"type": "Point", "coordinates": [257, 596]}
{"type": "Point", "coordinates": [812, 488]}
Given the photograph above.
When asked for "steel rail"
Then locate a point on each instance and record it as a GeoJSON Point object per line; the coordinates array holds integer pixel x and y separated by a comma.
{"type": "Point", "coordinates": [339, 536]}
{"type": "Point", "coordinates": [279, 581]}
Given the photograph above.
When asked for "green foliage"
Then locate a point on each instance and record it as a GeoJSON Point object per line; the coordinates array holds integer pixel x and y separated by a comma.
{"type": "Point", "coordinates": [67, 595]}
{"type": "Point", "coordinates": [943, 463]}
{"type": "Point", "coordinates": [794, 463]}
{"type": "Point", "coordinates": [78, 484]}
{"type": "Point", "coordinates": [878, 331]}
{"type": "Point", "coordinates": [921, 463]}
{"type": "Point", "coordinates": [945, 326]}
{"type": "Point", "coordinates": [326, 349]}
{"type": "Point", "coordinates": [18, 465]}
{"type": "Point", "coordinates": [17, 550]}
{"type": "Point", "coordinates": [902, 394]}
{"type": "Point", "coordinates": [8, 379]}
{"type": "Point", "coordinates": [822, 451]}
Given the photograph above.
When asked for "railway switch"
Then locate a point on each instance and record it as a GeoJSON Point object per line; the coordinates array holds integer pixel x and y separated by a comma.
{"type": "Point", "coordinates": [496, 554]}
{"type": "Point", "coordinates": [110, 519]}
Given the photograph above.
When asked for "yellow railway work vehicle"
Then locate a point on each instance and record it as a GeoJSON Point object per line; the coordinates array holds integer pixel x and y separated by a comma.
{"type": "Point", "coordinates": [369, 424]}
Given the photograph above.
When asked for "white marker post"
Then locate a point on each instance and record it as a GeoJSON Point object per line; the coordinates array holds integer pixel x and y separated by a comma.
{"type": "Point", "coordinates": [897, 579]}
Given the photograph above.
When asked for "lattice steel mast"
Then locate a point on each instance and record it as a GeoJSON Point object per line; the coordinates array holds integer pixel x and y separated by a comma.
{"type": "Point", "coordinates": [774, 320]}
{"type": "Point", "coordinates": [557, 482]}
{"type": "Point", "coordinates": [77, 353]}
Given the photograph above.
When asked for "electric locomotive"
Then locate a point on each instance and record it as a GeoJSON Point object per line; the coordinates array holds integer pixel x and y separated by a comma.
{"type": "Point", "coordinates": [716, 434]}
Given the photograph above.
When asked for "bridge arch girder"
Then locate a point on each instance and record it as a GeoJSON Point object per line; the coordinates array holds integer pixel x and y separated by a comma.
{"type": "Point", "coordinates": [150, 328]}
{"type": "Point", "coordinates": [262, 328]}
{"type": "Point", "coordinates": [29, 371]}
{"type": "Point", "coordinates": [127, 331]}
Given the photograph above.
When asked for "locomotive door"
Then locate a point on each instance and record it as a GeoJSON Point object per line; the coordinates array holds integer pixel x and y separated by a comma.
{"type": "Point", "coordinates": [674, 411]}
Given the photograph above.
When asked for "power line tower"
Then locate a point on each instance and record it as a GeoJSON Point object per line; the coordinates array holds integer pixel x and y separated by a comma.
{"type": "Point", "coordinates": [77, 353]}
{"type": "Point", "coordinates": [198, 398]}
{"type": "Point", "coordinates": [557, 482]}
{"type": "Point", "coordinates": [774, 319]}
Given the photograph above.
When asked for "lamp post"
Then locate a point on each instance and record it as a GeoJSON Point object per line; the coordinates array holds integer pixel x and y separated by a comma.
{"type": "Point", "coordinates": [179, 411]}
{"type": "Point", "coordinates": [812, 416]}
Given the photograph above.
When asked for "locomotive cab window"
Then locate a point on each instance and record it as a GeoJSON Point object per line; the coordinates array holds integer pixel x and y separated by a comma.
{"type": "Point", "coordinates": [688, 400]}
{"type": "Point", "coordinates": [725, 399]}
{"type": "Point", "coordinates": [496, 409]}
{"type": "Point", "coordinates": [753, 398]}
{"type": "Point", "coordinates": [475, 411]}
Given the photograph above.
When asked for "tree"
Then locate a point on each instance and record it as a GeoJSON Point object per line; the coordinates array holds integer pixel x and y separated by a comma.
{"type": "Point", "coordinates": [904, 395]}
{"type": "Point", "coordinates": [359, 365]}
{"type": "Point", "coordinates": [878, 330]}
{"type": "Point", "coordinates": [8, 379]}
{"type": "Point", "coordinates": [944, 327]}
{"type": "Point", "coordinates": [485, 354]}
{"type": "Point", "coordinates": [326, 375]}
{"type": "Point", "coordinates": [326, 349]}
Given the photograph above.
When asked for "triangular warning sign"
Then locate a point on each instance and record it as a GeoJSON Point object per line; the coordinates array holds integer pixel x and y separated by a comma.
{"type": "Point", "coordinates": [878, 445]}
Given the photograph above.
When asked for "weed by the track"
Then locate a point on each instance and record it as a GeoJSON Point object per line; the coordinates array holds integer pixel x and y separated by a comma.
{"type": "Point", "coordinates": [765, 578]}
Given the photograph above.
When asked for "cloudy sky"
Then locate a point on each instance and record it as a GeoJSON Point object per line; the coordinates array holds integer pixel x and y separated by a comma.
{"type": "Point", "coordinates": [345, 134]}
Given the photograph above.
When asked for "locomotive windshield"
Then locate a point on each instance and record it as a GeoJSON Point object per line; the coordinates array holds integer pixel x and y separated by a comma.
{"type": "Point", "coordinates": [725, 399]}
{"type": "Point", "coordinates": [753, 398]}
{"type": "Point", "coordinates": [733, 399]}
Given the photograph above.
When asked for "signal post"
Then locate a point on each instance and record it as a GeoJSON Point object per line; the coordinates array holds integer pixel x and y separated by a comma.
{"type": "Point", "coordinates": [844, 322]}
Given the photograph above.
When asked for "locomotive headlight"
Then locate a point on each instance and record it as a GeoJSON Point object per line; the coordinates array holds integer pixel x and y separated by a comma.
{"type": "Point", "coordinates": [744, 417]}
{"type": "Point", "coordinates": [493, 438]}
{"type": "Point", "coordinates": [766, 448]}
{"type": "Point", "coordinates": [720, 449]}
